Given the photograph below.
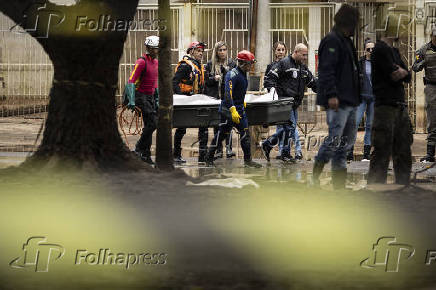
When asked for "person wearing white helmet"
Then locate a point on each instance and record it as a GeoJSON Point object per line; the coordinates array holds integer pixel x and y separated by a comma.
{"type": "Point", "coordinates": [142, 92]}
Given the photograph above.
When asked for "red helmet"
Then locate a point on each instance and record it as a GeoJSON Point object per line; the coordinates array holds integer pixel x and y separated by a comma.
{"type": "Point", "coordinates": [245, 55]}
{"type": "Point", "coordinates": [196, 44]}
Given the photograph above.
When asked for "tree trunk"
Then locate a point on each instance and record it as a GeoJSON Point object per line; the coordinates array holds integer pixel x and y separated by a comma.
{"type": "Point", "coordinates": [164, 151]}
{"type": "Point", "coordinates": [81, 125]}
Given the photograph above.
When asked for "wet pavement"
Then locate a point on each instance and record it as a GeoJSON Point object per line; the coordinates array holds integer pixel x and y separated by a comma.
{"type": "Point", "coordinates": [301, 172]}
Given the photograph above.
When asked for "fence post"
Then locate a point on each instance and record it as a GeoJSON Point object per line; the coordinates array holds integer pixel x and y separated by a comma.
{"type": "Point", "coordinates": [420, 97]}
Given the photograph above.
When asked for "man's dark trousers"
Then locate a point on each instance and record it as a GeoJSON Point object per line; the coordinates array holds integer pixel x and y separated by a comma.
{"type": "Point", "coordinates": [149, 117]}
{"type": "Point", "coordinates": [392, 135]}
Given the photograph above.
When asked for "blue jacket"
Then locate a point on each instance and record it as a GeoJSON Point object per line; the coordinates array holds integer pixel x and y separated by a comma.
{"type": "Point", "coordinates": [338, 70]}
{"type": "Point", "coordinates": [366, 85]}
{"type": "Point", "coordinates": [236, 87]}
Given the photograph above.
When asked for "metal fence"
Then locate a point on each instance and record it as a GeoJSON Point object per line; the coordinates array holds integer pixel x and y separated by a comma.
{"type": "Point", "coordinates": [222, 22]}
{"type": "Point", "coordinates": [134, 45]}
{"type": "Point", "coordinates": [26, 72]}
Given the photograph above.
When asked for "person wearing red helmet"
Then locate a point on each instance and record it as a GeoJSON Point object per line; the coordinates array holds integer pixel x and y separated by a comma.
{"type": "Point", "coordinates": [189, 80]}
{"type": "Point", "coordinates": [232, 109]}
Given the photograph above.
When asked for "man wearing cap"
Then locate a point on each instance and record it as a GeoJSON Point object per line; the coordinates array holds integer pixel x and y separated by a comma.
{"type": "Point", "coordinates": [189, 80]}
{"type": "Point", "coordinates": [426, 59]}
{"type": "Point", "coordinates": [232, 109]}
{"type": "Point", "coordinates": [141, 91]}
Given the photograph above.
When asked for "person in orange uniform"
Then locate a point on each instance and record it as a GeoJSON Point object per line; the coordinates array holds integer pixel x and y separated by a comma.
{"type": "Point", "coordinates": [189, 80]}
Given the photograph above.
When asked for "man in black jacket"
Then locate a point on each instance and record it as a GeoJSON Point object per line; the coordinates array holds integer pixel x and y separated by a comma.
{"type": "Point", "coordinates": [392, 129]}
{"type": "Point", "coordinates": [367, 105]}
{"type": "Point", "coordinates": [290, 77]}
{"type": "Point", "coordinates": [339, 93]}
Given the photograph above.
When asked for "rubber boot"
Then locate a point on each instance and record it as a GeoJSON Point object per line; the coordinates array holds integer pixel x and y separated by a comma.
{"type": "Point", "coordinates": [251, 163]}
{"type": "Point", "coordinates": [202, 156]}
{"type": "Point", "coordinates": [339, 178]}
{"type": "Point", "coordinates": [266, 147]}
{"type": "Point", "coordinates": [430, 154]}
{"type": "Point", "coordinates": [210, 157]}
{"type": "Point", "coordinates": [318, 166]}
{"type": "Point", "coordinates": [350, 154]}
{"type": "Point", "coordinates": [366, 152]}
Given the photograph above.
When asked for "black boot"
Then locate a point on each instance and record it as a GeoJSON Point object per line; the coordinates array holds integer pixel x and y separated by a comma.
{"type": "Point", "coordinates": [350, 154]}
{"type": "Point", "coordinates": [144, 157]}
{"type": "Point", "coordinates": [251, 163]}
{"type": "Point", "coordinates": [366, 152]}
{"type": "Point", "coordinates": [339, 178]}
{"type": "Point", "coordinates": [210, 157]}
{"type": "Point", "coordinates": [202, 156]}
{"type": "Point", "coordinates": [266, 147]}
{"type": "Point", "coordinates": [318, 166]}
{"type": "Point", "coordinates": [430, 154]}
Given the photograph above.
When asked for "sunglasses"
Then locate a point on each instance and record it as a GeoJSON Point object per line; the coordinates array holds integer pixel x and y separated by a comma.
{"type": "Point", "coordinates": [369, 49]}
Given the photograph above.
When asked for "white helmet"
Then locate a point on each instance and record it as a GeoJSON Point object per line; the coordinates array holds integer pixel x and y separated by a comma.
{"type": "Point", "coordinates": [152, 41]}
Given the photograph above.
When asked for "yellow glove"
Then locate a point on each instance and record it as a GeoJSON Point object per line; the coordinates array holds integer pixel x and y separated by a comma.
{"type": "Point", "coordinates": [245, 104]}
{"type": "Point", "coordinates": [235, 115]}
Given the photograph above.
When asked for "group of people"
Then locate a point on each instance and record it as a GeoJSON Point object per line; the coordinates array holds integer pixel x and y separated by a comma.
{"type": "Point", "coordinates": [346, 87]}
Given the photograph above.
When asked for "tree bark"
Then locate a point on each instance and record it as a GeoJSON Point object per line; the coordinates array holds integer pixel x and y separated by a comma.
{"type": "Point", "coordinates": [81, 125]}
{"type": "Point", "coordinates": [164, 149]}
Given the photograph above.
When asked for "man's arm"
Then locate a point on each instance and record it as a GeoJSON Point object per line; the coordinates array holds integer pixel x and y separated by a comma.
{"type": "Point", "coordinates": [228, 94]}
{"type": "Point", "coordinates": [182, 71]}
{"type": "Point", "coordinates": [408, 77]}
{"type": "Point", "coordinates": [382, 60]}
{"type": "Point", "coordinates": [271, 79]}
{"type": "Point", "coordinates": [329, 56]}
{"type": "Point", "coordinates": [311, 81]}
{"type": "Point", "coordinates": [419, 63]}
{"type": "Point", "coordinates": [130, 88]}
{"type": "Point", "coordinates": [137, 71]}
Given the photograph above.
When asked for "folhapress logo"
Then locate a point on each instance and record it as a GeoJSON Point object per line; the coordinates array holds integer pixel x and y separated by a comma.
{"type": "Point", "coordinates": [39, 18]}
{"type": "Point", "coordinates": [38, 254]}
{"type": "Point", "coordinates": [387, 253]}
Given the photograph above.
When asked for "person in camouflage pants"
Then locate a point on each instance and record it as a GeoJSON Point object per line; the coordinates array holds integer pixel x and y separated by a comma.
{"type": "Point", "coordinates": [426, 59]}
{"type": "Point", "coordinates": [430, 107]}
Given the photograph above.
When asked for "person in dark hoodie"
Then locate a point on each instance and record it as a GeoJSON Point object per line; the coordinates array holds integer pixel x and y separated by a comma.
{"type": "Point", "coordinates": [215, 72]}
{"type": "Point", "coordinates": [367, 105]}
{"type": "Point", "coordinates": [392, 129]}
{"type": "Point", "coordinates": [339, 92]}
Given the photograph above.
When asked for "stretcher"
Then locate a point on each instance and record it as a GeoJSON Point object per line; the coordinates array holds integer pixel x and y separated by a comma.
{"type": "Point", "coordinates": [202, 111]}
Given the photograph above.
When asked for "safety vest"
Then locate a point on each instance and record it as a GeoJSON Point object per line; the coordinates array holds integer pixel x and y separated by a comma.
{"type": "Point", "coordinates": [430, 65]}
{"type": "Point", "coordinates": [196, 80]}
